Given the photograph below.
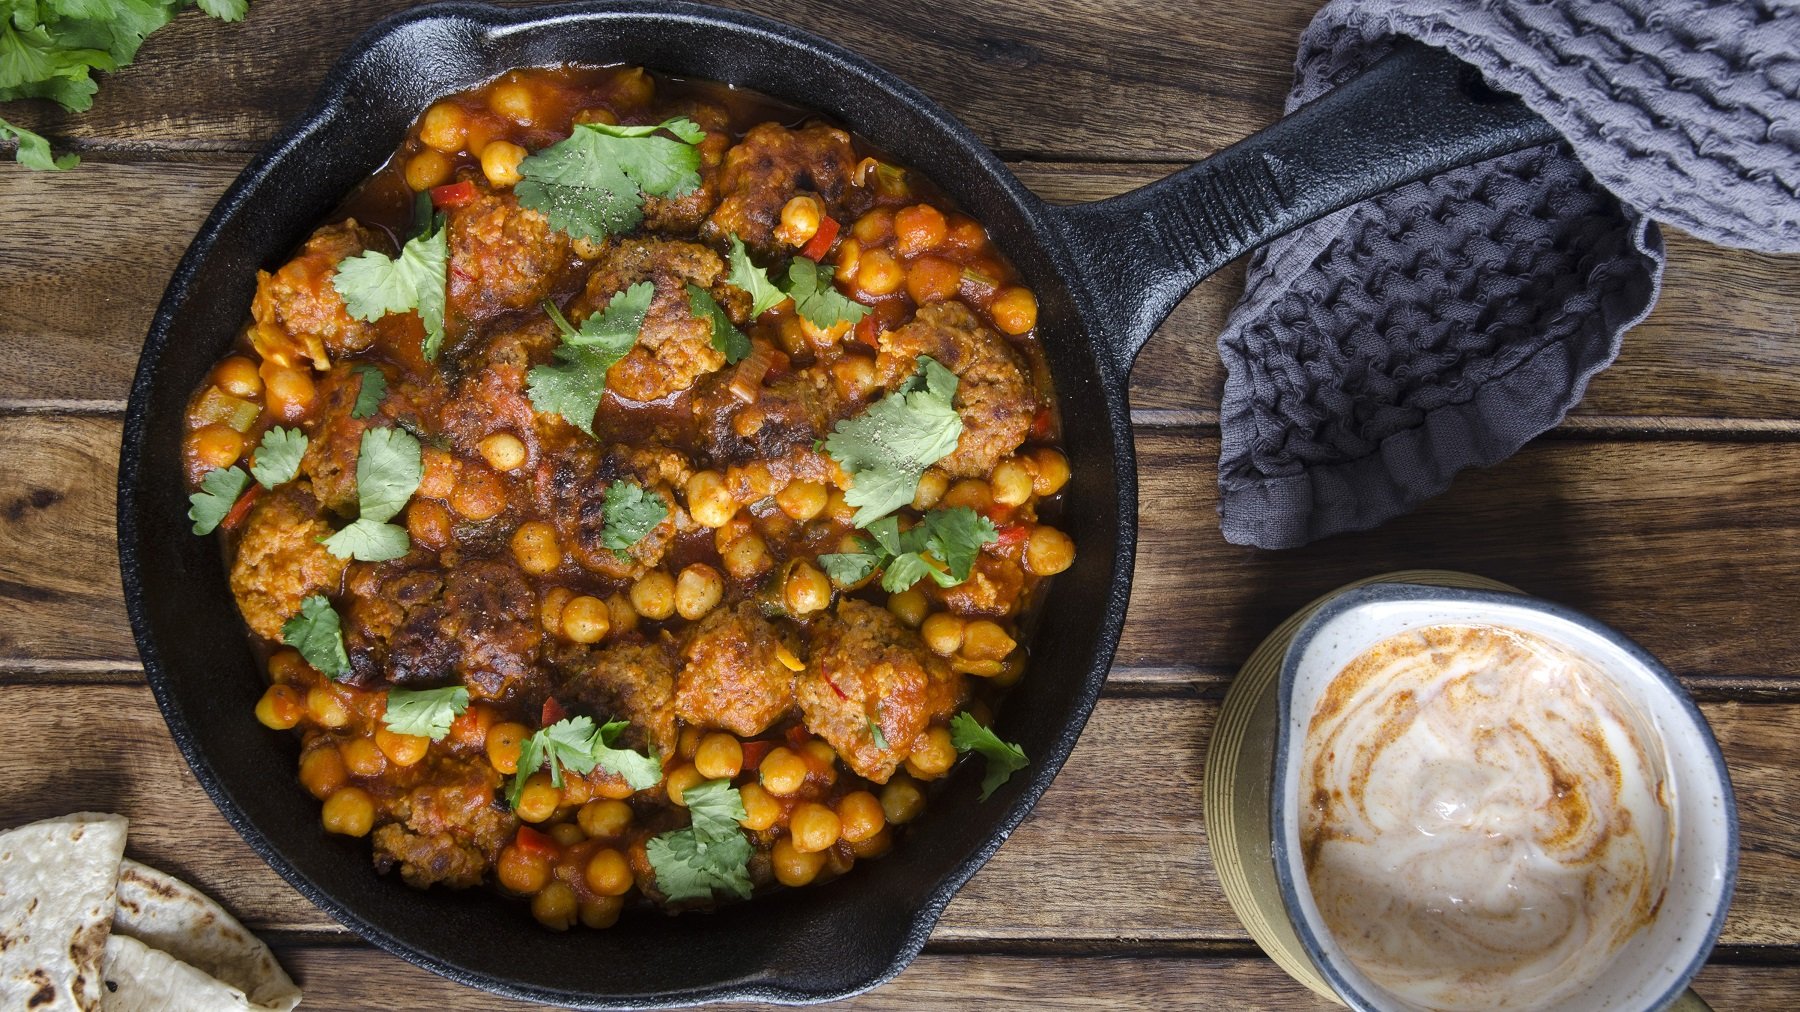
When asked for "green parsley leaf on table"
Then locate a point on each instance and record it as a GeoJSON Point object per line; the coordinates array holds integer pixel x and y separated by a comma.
{"type": "Point", "coordinates": [887, 447]}
{"type": "Point", "coordinates": [219, 491]}
{"type": "Point", "coordinates": [34, 150]}
{"type": "Point", "coordinates": [730, 341]}
{"type": "Point", "coordinates": [369, 541]}
{"type": "Point", "coordinates": [629, 513]}
{"type": "Point", "coordinates": [592, 184]}
{"type": "Point", "coordinates": [574, 388]}
{"type": "Point", "coordinates": [817, 299]}
{"type": "Point", "coordinates": [372, 388]}
{"type": "Point", "coordinates": [389, 466]}
{"type": "Point", "coordinates": [764, 295]}
{"type": "Point", "coordinates": [425, 712]}
{"type": "Point", "coordinates": [576, 744]}
{"type": "Point", "coordinates": [374, 284]}
{"type": "Point", "coordinates": [1003, 758]}
{"type": "Point", "coordinates": [712, 854]}
{"type": "Point", "coordinates": [277, 457]}
{"type": "Point", "coordinates": [318, 635]}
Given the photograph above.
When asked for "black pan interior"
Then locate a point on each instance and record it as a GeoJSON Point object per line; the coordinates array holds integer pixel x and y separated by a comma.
{"type": "Point", "coordinates": [803, 945]}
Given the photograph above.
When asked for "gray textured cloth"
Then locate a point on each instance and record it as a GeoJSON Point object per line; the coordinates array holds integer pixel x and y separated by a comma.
{"type": "Point", "coordinates": [1378, 352]}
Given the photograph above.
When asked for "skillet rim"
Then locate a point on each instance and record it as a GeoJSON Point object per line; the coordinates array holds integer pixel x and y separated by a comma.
{"type": "Point", "coordinates": [1046, 227]}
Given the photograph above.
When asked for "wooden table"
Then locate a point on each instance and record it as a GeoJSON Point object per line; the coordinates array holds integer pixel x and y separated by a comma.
{"type": "Point", "coordinates": [1668, 505]}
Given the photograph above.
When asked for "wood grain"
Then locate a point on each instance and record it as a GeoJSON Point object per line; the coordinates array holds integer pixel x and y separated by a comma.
{"type": "Point", "coordinates": [1115, 851]}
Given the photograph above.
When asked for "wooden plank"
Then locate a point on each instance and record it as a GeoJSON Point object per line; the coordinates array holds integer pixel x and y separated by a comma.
{"type": "Point", "coordinates": [1599, 525]}
{"type": "Point", "coordinates": [1116, 850]}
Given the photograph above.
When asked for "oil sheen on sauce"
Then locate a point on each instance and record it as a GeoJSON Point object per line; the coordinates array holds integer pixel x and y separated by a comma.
{"type": "Point", "coordinates": [1486, 819]}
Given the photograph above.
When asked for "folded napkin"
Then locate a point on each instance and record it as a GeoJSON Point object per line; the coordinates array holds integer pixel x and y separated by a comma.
{"type": "Point", "coordinates": [1383, 349]}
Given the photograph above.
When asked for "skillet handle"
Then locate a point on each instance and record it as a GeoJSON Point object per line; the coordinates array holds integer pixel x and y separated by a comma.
{"type": "Point", "coordinates": [1415, 113]}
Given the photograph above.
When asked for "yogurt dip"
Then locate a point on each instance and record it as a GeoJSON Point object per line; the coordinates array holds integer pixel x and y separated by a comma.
{"type": "Point", "coordinates": [1485, 818]}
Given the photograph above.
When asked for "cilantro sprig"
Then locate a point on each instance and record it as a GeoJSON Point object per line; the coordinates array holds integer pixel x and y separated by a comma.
{"type": "Point", "coordinates": [712, 854]}
{"type": "Point", "coordinates": [219, 491]}
{"type": "Point", "coordinates": [426, 712]}
{"type": "Point", "coordinates": [574, 743]}
{"type": "Point", "coordinates": [574, 388]}
{"type": "Point", "coordinates": [389, 467]}
{"type": "Point", "coordinates": [374, 284]}
{"type": "Point", "coordinates": [592, 184]}
{"type": "Point", "coordinates": [808, 284]}
{"type": "Point", "coordinates": [630, 513]}
{"type": "Point", "coordinates": [277, 457]}
{"type": "Point", "coordinates": [942, 546]}
{"type": "Point", "coordinates": [1003, 758]}
{"type": "Point", "coordinates": [371, 388]}
{"type": "Point", "coordinates": [764, 295]}
{"type": "Point", "coordinates": [316, 632]}
{"type": "Point", "coordinates": [729, 340]}
{"type": "Point", "coordinates": [888, 447]}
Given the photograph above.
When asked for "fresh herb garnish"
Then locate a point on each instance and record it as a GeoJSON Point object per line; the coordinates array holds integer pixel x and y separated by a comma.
{"type": "Point", "coordinates": [630, 514]}
{"type": "Point", "coordinates": [876, 734]}
{"type": "Point", "coordinates": [710, 855]}
{"type": "Point", "coordinates": [373, 387]}
{"type": "Point", "coordinates": [817, 299]}
{"type": "Point", "coordinates": [373, 284]}
{"type": "Point", "coordinates": [943, 546]}
{"type": "Point", "coordinates": [389, 467]}
{"type": "Point", "coordinates": [369, 541]}
{"type": "Point", "coordinates": [219, 491]}
{"type": "Point", "coordinates": [426, 712]}
{"type": "Point", "coordinates": [764, 295]}
{"type": "Point", "coordinates": [847, 569]}
{"type": "Point", "coordinates": [729, 340]}
{"type": "Point", "coordinates": [318, 635]}
{"type": "Point", "coordinates": [574, 388]}
{"type": "Point", "coordinates": [277, 457]}
{"type": "Point", "coordinates": [575, 743]}
{"type": "Point", "coordinates": [886, 448]}
{"type": "Point", "coordinates": [592, 184]}
{"type": "Point", "coordinates": [1003, 758]}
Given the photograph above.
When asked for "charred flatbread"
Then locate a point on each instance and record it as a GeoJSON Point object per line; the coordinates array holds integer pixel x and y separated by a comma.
{"type": "Point", "coordinates": [190, 929]}
{"type": "Point", "coordinates": [57, 895]}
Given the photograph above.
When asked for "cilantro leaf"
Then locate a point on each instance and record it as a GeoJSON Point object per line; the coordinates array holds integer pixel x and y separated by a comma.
{"type": "Point", "coordinates": [389, 467]}
{"type": "Point", "coordinates": [711, 855]}
{"type": "Point", "coordinates": [575, 743]}
{"type": "Point", "coordinates": [370, 541]}
{"type": "Point", "coordinates": [219, 491]}
{"type": "Point", "coordinates": [909, 568]}
{"type": "Point", "coordinates": [574, 388]}
{"type": "Point", "coordinates": [630, 514]}
{"type": "Point", "coordinates": [373, 284]}
{"type": "Point", "coordinates": [639, 770]}
{"type": "Point", "coordinates": [847, 569]}
{"type": "Point", "coordinates": [877, 735]}
{"type": "Point", "coordinates": [372, 389]}
{"type": "Point", "coordinates": [592, 184]}
{"type": "Point", "coordinates": [318, 635]}
{"type": "Point", "coordinates": [225, 10]}
{"type": "Point", "coordinates": [1003, 758]}
{"type": "Point", "coordinates": [34, 150]}
{"type": "Point", "coordinates": [730, 341]}
{"type": "Point", "coordinates": [887, 447]}
{"type": "Point", "coordinates": [277, 457]}
{"type": "Point", "coordinates": [817, 299]}
{"type": "Point", "coordinates": [764, 296]}
{"type": "Point", "coordinates": [425, 712]}
{"type": "Point", "coordinates": [956, 535]}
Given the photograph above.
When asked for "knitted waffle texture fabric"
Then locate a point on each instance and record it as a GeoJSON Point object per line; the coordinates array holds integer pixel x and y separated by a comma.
{"type": "Point", "coordinates": [1379, 351]}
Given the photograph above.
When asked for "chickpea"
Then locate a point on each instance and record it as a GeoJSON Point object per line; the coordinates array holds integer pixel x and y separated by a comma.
{"type": "Point", "coordinates": [709, 501]}
{"type": "Point", "coordinates": [688, 742]}
{"type": "Point", "coordinates": [1048, 551]}
{"type": "Point", "coordinates": [918, 229]}
{"type": "Point", "coordinates": [943, 633]}
{"type": "Point", "coordinates": [327, 706]}
{"type": "Point", "coordinates": [550, 611]}
{"type": "Point", "coordinates": [427, 169]}
{"type": "Point", "coordinates": [349, 811]}
{"type": "Point", "coordinates": [287, 666]}
{"type": "Point", "coordinates": [597, 115]}
{"type": "Point", "coordinates": [215, 445]}
{"type": "Point", "coordinates": [902, 800]}
{"type": "Point", "coordinates": [932, 757]}
{"type": "Point", "coordinates": [1052, 471]}
{"type": "Point", "coordinates": [760, 810]}
{"type": "Point", "coordinates": [522, 871]}
{"type": "Point", "coordinates": [860, 816]}
{"type": "Point", "coordinates": [503, 451]}
{"type": "Point", "coordinates": [874, 846]}
{"type": "Point", "coordinates": [500, 163]}
{"type": "Point", "coordinates": [430, 524]}
{"type": "Point", "coordinates": [605, 818]}
{"type": "Point", "coordinates": [607, 873]}
{"type": "Point", "coordinates": [503, 744]}
{"type": "Point", "coordinates": [401, 749]}
{"type": "Point", "coordinates": [697, 591]}
{"type": "Point", "coordinates": [534, 546]}
{"type": "Point", "coordinates": [322, 770]}
{"type": "Point", "coordinates": [807, 590]}
{"type": "Point", "coordinates": [803, 500]}
{"type": "Point", "coordinates": [238, 377]}
{"type": "Point", "coordinates": [800, 219]}
{"type": "Point", "coordinates": [970, 492]}
{"type": "Point", "coordinates": [362, 758]}
{"type": "Point", "coordinates": [966, 233]}
{"type": "Point", "coordinates": [794, 867]}
{"type": "Point", "coordinates": [873, 227]}
{"type": "Point", "coordinates": [445, 127]}
{"type": "Point", "coordinates": [514, 101]}
{"type": "Point", "coordinates": [585, 619]}
{"type": "Point", "coordinates": [823, 758]}
{"type": "Point", "coordinates": [932, 485]}
{"type": "Point", "coordinates": [653, 595]}
{"type": "Point", "coordinates": [439, 478]}
{"type": "Point", "coordinates": [782, 771]}
{"type": "Point", "coordinates": [471, 729]}
{"type": "Point", "coordinates": [480, 494]}
{"type": "Point", "coordinates": [849, 258]}
{"type": "Point", "coordinates": [539, 798]}
{"type": "Point", "coordinates": [280, 707]}
{"type": "Point", "coordinates": [554, 906]}
{"type": "Point", "coordinates": [838, 508]}
{"type": "Point", "coordinates": [747, 557]}
{"type": "Point", "coordinates": [601, 913]}
{"type": "Point", "coordinates": [290, 392]}
{"type": "Point", "coordinates": [719, 756]}
{"type": "Point", "coordinates": [813, 827]}
{"type": "Point", "coordinates": [854, 376]}
{"type": "Point", "coordinates": [1014, 310]}
{"type": "Point", "coordinates": [984, 640]}
{"type": "Point", "coordinates": [909, 606]}
{"type": "Point", "coordinates": [634, 86]}
{"type": "Point", "coordinates": [933, 279]}
{"type": "Point", "coordinates": [879, 274]}
{"type": "Point", "coordinates": [679, 781]}
{"type": "Point", "coordinates": [1011, 482]}
{"type": "Point", "coordinates": [619, 611]}
{"type": "Point", "coordinates": [567, 834]}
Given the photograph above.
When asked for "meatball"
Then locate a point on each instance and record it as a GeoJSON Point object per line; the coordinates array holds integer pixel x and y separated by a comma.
{"type": "Point", "coordinates": [626, 681]}
{"type": "Point", "coordinates": [491, 394]}
{"type": "Point", "coordinates": [502, 256]}
{"type": "Point", "coordinates": [280, 560]}
{"type": "Point", "coordinates": [298, 314]}
{"type": "Point", "coordinates": [684, 214]}
{"type": "Point", "coordinates": [771, 165]}
{"type": "Point", "coordinates": [793, 411]}
{"type": "Point", "coordinates": [452, 830]}
{"type": "Point", "coordinates": [571, 484]}
{"type": "Point", "coordinates": [993, 394]}
{"type": "Point", "coordinates": [674, 347]}
{"type": "Point", "coordinates": [869, 670]}
{"type": "Point", "coordinates": [991, 590]}
{"type": "Point", "coordinates": [476, 621]}
{"type": "Point", "coordinates": [335, 442]}
{"type": "Point", "coordinates": [731, 677]}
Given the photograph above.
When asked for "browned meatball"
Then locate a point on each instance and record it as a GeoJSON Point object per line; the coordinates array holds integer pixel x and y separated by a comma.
{"type": "Point", "coordinates": [684, 214]}
{"type": "Point", "coordinates": [771, 165]}
{"type": "Point", "coordinates": [299, 315]}
{"type": "Point", "coordinates": [868, 669]}
{"type": "Point", "coordinates": [280, 560]}
{"type": "Point", "coordinates": [335, 441]}
{"type": "Point", "coordinates": [491, 394]}
{"type": "Point", "coordinates": [792, 412]}
{"type": "Point", "coordinates": [476, 622]}
{"type": "Point", "coordinates": [626, 681]}
{"type": "Point", "coordinates": [451, 828]}
{"type": "Point", "coordinates": [674, 347]}
{"type": "Point", "coordinates": [571, 483]}
{"type": "Point", "coordinates": [731, 677]}
{"type": "Point", "coordinates": [992, 588]}
{"type": "Point", "coordinates": [502, 256]}
{"type": "Point", "coordinates": [993, 394]}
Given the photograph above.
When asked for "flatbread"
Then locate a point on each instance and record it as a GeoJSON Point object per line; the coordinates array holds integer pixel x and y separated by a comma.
{"type": "Point", "coordinates": [164, 913]}
{"type": "Point", "coordinates": [57, 896]}
{"type": "Point", "coordinates": [142, 979]}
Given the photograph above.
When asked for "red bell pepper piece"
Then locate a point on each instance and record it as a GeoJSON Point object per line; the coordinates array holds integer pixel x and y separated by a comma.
{"type": "Point", "coordinates": [553, 711]}
{"type": "Point", "coordinates": [452, 194]}
{"type": "Point", "coordinates": [868, 330]}
{"type": "Point", "coordinates": [754, 751]}
{"type": "Point", "coordinates": [820, 244]}
{"type": "Point", "coordinates": [241, 509]}
{"type": "Point", "coordinates": [533, 842]}
{"type": "Point", "coordinates": [798, 736]}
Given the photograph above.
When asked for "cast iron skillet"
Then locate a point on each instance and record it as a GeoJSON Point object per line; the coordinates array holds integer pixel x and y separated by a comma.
{"type": "Point", "coordinates": [1105, 274]}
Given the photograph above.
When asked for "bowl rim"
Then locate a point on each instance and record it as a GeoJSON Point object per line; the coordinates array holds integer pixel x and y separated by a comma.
{"type": "Point", "coordinates": [1289, 881]}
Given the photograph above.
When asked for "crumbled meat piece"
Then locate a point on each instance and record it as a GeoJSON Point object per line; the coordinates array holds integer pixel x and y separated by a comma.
{"type": "Point", "coordinates": [571, 483]}
{"type": "Point", "coordinates": [280, 560]}
{"type": "Point", "coordinates": [992, 589]}
{"type": "Point", "coordinates": [298, 314]}
{"type": "Point", "coordinates": [731, 677]}
{"type": "Point", "coordinates": [791, 412]}
{"type": "Point", "coordinates": [993, 394]}
{"type": "Point", "coordinates": [868, 669]}
{"type": "Point", "coordinates": [674, 347]}
{"type": "Point", "coordinates": [625, 681]}
{"type": "Point", "coordinates": [476, 621]}
{"type": "Point", "coordinates": [491, 392]}
{"type": "Point", "coordinates": [452, 829]}
{"type": "Point", "coordinates": [335, 441]}
{"type": "Point", "coordinates": [772, 164]}
{"type": "Point", "coordinates": [502, 256]}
